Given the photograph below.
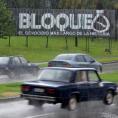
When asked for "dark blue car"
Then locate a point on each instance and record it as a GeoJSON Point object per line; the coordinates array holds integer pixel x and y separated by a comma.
{"type": "Point", "coordinates": [14, 66]}
{"type": "Point", "coordinates": [68, 86]}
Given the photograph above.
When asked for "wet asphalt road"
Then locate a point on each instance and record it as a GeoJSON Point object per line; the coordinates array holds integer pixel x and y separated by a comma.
{"type": "Point", "coordinates": [20, 109]}
{"type": "Point", "coordinates": [110, 67]}
{"type": "Point", "coordinates": [5, 79]}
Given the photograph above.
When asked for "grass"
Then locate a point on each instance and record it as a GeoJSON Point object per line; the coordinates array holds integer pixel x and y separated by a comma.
{"type": "Point", "coordinates": [13, 89]}
{"type": "Point", "coordinates": [9, 90]}
{"type": "Point", "coordinates": [112, 77]}
{"type": "Point", "coordinates": [37, 51]}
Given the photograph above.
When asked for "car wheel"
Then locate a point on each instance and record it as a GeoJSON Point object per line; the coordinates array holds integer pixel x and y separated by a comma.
{"type": "Point", "coordinates": [12, 75]}
{"type": "Point", "coordinates": [63, 105]}
{"type": "Point", "coordinates": [35, 72]}
{"type": "Point", "coordinates": [108, 100]}
{"type": "Point", "coordinates": [72, 103]}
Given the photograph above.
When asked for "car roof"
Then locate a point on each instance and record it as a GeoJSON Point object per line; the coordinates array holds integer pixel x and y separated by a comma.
{"type": "Point", "coordinates": [71, 54]}
{"type": "Point", "coordinates": [71, 69]}
{"type": "Point", "coordinates": [12, 56]}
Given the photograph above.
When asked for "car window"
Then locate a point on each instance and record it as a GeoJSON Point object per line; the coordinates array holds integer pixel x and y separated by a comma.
{"type": "Point", "coordinates": [23, 60]}
{"type": "Point", "coordinates": [92, 76]}
{"type": "Point", "coordinates": [16, 61]}
{"type": "Point", "coordinates": [64, 57]}
{"type": "Point", "coordinates": [55, 75]}
{"type": "Point", "coordinates": [79, 58]}
{"type": "Point", "coordinates": [88, 59]}
{"type": "Point", "coordinates": [81, 76]}
{"type": "Point", "coordinates": [4, 60]}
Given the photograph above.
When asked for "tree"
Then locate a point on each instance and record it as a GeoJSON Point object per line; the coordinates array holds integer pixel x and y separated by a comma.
{"type": "Point", "coordinates": [68, 4]}
{"type": "Point", "coordinates": [6, 23]}
{"type": "Point", "coordinates": [88, 4]}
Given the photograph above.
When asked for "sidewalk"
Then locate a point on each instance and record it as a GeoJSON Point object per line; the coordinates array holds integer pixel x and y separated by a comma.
{"type": "Point", "coordinates": [8, 99]}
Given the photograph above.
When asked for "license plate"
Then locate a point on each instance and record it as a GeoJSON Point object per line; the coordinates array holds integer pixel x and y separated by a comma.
{"type": "Point", "coordinates": [39, 90]}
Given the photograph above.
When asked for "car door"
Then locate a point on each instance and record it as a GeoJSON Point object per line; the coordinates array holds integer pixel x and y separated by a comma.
{"type": "Point", "coordinates": [82, 84]}
{"type": "Point", "coordinates": [95, 87]}
{"type": "Point", "coordinates": [80, 61]}
{"type": "Point", "coordinates": [90, 62]}
{"type": "Point", "coordinates": [26, 67]}
{"type": "Point", "coordinates": [15, 65]}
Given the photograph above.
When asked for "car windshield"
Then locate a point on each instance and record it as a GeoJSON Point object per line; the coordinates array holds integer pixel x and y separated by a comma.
{"type": "Point", "coordinates": [4, 60]}
{"type": "Point", "coordinates": [56, 75]}
{"type": "Point", "coordinates": [64, 57]}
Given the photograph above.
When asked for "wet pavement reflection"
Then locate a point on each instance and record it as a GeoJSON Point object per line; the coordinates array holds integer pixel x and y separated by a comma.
{"type": "Point", "coordinates": [96, 109]}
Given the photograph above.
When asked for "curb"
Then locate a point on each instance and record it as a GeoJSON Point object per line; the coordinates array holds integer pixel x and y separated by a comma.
{"type": "Point", "coordinates": [110, 62]}
{"type": "Point", "coordinates": [10, 99]}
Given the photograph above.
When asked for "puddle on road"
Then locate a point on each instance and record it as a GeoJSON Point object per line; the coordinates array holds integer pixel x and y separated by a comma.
{"type": "Point", "coordinates": [109, 115]}
{"type": "Point", "coordinates": [86, 110]}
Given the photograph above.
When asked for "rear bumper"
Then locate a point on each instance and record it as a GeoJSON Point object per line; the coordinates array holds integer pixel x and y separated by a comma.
{"type": "Point", "coordinates": [39, 97]}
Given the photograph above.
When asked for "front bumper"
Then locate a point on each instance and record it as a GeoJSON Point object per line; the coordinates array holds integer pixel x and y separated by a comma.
{"type": "Point", "coordinates": [39, 97]}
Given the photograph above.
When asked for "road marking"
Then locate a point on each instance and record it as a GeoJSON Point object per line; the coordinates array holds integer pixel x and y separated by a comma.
{"type": "Point", "coordinates": [41, 115]}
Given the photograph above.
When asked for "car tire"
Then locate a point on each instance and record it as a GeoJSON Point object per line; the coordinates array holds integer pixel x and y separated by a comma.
{"type": "Point", "coordinates": [63, 105]}
{"type": "Point", "coordinates": [12, 75]}
{"type": "Point", "coordinates": [109, 97]}
{"type": "Point", "coordinates": [72, 103]}
{"type": "Point", "coordinates": [35, 72]}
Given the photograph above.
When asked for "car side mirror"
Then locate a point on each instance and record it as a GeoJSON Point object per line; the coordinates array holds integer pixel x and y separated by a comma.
{"type": "Point", "coordinates": [92, 61]}
{"type": "Point", "coordinates": [28, 61]}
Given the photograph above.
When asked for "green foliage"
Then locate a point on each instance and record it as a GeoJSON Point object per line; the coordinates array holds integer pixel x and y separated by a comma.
{"type": "Point", "coordinates": [6, 23]}
{"type": "Point", "coordinates": [65, 4]}
{"type": "Point", "coordinates": [70, 4]}
{"type": "Point", "coordinates": [113, 76]}
{"type": "Point", "coordinates": [10, 89]}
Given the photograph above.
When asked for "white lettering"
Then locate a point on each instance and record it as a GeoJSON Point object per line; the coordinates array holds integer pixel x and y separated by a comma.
{"type": "Point", "coordinates": [63, 26]}
{"type": "Point", "coordinates": [72, 21]}
{"type": "Point", "coordinates": [64, 21]}
{"type": "Point", "coordinates": [33, 22]}
{"type": "Point", "coordinates": [88, 21]}
{"type": "Point", "coordinates": [24, 21]}
{"type": "Point", "coordinates": [48, 16]}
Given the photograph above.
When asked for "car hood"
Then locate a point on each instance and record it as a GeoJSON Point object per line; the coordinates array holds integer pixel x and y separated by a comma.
{"type": "Point", "coordinates": [47, 83]}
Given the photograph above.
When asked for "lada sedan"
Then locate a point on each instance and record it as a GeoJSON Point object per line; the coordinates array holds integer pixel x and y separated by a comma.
{"type": "Point", "coordinates": [68, 86]}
